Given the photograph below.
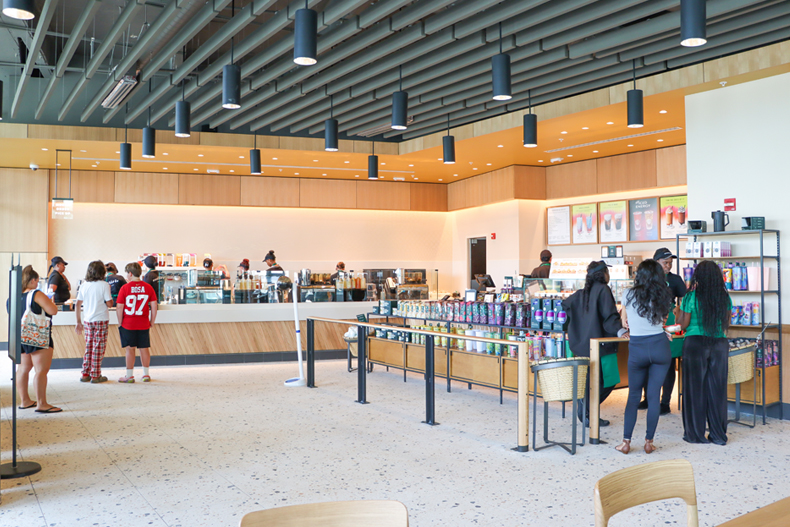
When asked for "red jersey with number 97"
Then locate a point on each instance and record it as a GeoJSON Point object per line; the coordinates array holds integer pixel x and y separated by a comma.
{"type": "Point", "coordinates": [135, 298]}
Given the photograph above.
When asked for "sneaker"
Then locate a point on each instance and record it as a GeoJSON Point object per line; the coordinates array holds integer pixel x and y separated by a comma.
{"type": "Point", "coordinates": [85, 378]}
{"type": "Point", "coordinates": [643, 405]}
{"type": "Point", "coordinates": [146, 378]}
{"type": "Point", "coordinates": [97, 380]}
{"type": "Point", "coordinates": [128, 380]}
{"type": "Point", "coordinates": [665, 410]}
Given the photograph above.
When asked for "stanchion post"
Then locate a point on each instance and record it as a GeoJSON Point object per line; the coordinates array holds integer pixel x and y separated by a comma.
{"type": "Point", "coordinates": [594, 389]}
{"type": "Point", "coordinates": [430, 382]}
{"type": "Point", "coordinates": [310, 353]}
{"type": "Point", "coordinates": [523, 399]}
{"type": "Point", "coordinates": [362, 366]}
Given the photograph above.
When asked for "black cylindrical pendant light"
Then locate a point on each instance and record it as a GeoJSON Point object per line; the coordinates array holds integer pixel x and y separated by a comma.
{"type": "Point", "coordinates": [330, 135]}
{"type": "Point", "coordinates": [530, 126]}
{"type": "Point", "coordinates": [500, 73]}
{"type": "Point", "coordinates": [306, 37]}
{"type": "Point", "coordinates": [692, 23]}
{"type": "Point", "coordinates": [255, 159]}
{"type": "Point", "coordinates": [183, 125]}
{"type": "Point", "coordinates": [149, 142]}
{"type": "Point", "coordinates": [19, 9]}
{"type": "Point", "coordinates": [636, 117]}
{"type": "Point", "coordinates": [400, 105]}
{"type": "Point", "coordinates": [373, 166]}
{"type": "Point", "coordinates": [448, 149]}
{"type": "Point", "coordinates": [231, 87]}
{"type": "Point", "coordinates": [126, 156]}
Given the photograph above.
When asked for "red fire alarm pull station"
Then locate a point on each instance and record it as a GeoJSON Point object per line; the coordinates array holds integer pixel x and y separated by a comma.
{"type": "Point", "coordinates": [729, 204]}
{"type": "Point", "coordinates": [493, 236]}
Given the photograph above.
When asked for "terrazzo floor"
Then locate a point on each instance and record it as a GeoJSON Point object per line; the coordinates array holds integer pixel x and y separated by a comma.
{"type": "Point", "coordinates": [202, 446]}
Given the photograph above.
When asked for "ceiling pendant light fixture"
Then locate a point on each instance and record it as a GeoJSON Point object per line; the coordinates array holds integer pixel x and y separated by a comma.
{"type": "Point", "coordinates": [636, 117]}
{"type": "Point", "coordinates": [693, 15]}
{"type": "Point", "coordinates": [373, 164]}
{"type": "Point", "coordinates": [448, 146]}
{"type": "Point", "coordinates": [305, 36]}
{"type": "Point", "coordinates": [19, 9]}
{"type": "Point", "coordinates": [231, 78]}
{"type": "Point", "coordinates": [500, 73]}
{"type": "Point", "coordinates": [149, 134]}
{"type": "Point", "coordinates": [255, 158]}
{"type": "Point", "coordinates": [400, 104]}
{"type": "Point", "coordinates": [183, 117]}
{"type": "Point", "coordinates": [530, 125]}
{"type": "Point", "coordinates": [330, 129]}
{"type": "Point", "coordinates": [126, 147]}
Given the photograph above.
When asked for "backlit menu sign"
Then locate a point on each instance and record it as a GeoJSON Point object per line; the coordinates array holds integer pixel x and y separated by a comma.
{"type": "Point", "coordinates": [62, 209]}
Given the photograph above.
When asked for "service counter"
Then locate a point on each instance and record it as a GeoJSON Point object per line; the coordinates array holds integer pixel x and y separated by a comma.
{"type": "Point", "coordinates": [220, 329]}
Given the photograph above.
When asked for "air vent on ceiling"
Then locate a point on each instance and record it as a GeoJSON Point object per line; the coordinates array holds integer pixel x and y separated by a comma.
{"type": "Point", "coordinates": [119, 93]}
{"type": "Point", "coordinates": [378, 130]}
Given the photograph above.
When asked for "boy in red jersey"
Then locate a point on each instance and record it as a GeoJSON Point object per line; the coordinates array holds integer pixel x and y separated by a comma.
{"type": "Point", "coordinates": [136, 310]}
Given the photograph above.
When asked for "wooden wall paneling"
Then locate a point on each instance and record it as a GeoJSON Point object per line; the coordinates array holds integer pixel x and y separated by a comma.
{"type": "Point", "coordinates": [671, 166]}
{"type": "Point", "coordinates": [383, 195]}
{"type": "Point", "coordinates": [40, 263]}
{"type": "Point", "coordinates": [168, 137]}
{"type": "Point", "coordinates": [346, 146]}
{"type": "Point", "coordinates": [74, 133]}
{"type": "Point", "coordinates": [13, 131]}
{"type": "Point", "coordinates": [573, 179]}
{"type": "Point", "coordinates": [457, 195]}
{"type": "Point", "coordinates": [363, 147]}
{"type": "Point", "coordinates": [428, 196]}
{"type": "Point", "coordinates": [748, 61]}
{"type": "Point", "coordinates": [495, 186]}
{"type": "Point", "coordinates": [234, 140]}
{"type": "Point", "coordinates": [571, 105]}
{"type": "Point", "coordinates": [206, 189]}
{"type": "Point", "coordinates": [302, 143]}
{"type": "Point", "coordinates": [386, 149]}
{"type": "Point", "coordinates": [529, 182]}
{"type": "Point", "coordinates": [328, 194]}
{"type": "Point", "coordinates": [259, 191]}
{"type": "Point", "coordinates": [87, 186]}
{"type": "Point", "coordinates": [24, 211]}
{"type": "Point", "coordinates": [627, 172]}
{"type": "Point", "coordinates": [146, 187]}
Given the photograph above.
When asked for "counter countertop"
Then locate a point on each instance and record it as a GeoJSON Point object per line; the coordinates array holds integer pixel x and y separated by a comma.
{"type": "Point", "coordinates": [206, 314]}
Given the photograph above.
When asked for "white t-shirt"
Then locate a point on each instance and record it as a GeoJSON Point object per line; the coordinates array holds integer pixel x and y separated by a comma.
{"type": "Point", "coordinates": [94, 296]}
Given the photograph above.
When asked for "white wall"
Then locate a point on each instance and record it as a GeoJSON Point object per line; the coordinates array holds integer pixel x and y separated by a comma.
{"type": "Point", "coordinates": [737, 140]}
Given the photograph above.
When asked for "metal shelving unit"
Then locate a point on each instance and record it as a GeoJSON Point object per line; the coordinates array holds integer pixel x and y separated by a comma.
{"type": "Point", "coordinates": [763, 292]}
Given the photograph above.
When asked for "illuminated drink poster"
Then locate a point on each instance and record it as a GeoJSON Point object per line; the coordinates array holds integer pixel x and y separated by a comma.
{"type": "Point", "coordinates": [584, 223]}
{"type": "Point", "coordinates": [673, 216]}
{"type": "Point", "coordinates": [644, 216]}
{"type": "Point", "coordinates": [613, 218]}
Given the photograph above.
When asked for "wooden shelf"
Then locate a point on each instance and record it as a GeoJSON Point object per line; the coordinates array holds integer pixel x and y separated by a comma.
{"type": "Point", "coordinates": [767, 326]}
{"type": "Point", "coordinates": [771, 291]}
{"type": "Point", "coordinates": [728, 258]}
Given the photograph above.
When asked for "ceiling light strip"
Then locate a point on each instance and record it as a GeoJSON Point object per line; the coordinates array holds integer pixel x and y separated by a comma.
{"type": "Point", "coordinates": [675, 129]}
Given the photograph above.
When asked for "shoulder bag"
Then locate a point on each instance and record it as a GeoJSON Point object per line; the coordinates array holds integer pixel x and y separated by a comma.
{"type": "Point", "coordinates": [35, 328]}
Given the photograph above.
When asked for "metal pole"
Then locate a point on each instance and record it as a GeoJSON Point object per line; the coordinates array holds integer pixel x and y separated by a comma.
{"type": "Point", "coordinates": [362, 369]}
{"type": "Point", "coordinates": [310, 353]}
{"type": "Point", "coordinates": [523, 399]}
{"type": "Point", "coordinates": [430, 384]}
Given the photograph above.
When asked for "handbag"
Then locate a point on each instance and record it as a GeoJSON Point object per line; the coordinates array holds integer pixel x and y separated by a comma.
{"type": "Point", "coordinates": [35, 328]}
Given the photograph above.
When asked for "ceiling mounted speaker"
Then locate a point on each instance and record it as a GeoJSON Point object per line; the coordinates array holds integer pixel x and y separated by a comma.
{"type": "Point", "coordinates": [636, 117]}
{"type": "Point", "coordinates": [19, 9]}
{"type": "Point", "coordinates": [149, 142]}
{"type": "Point", "coordinates": [400, 109]}
{"type": "Point", "coordinates": [231, 87]}
{"type": "Point", "coordinates": [530, 130]}
{"type": "Point", "coordinates": [255, 161]}
{"type": "Point", "coordinates": [306, 37]}
{"type": "Point", "coordinates": [448, 150]}
{"type": "Point", "coordinates": [373, 167]}
{"type": "Point", "coordinates": [183, 118]}
{"type": "Point", "coordinates": [126, 156]}
{"type": "Point", "coordinates": [500, 72]}
{"type": "Point", "coordinates": [330, 135]}
{"type": "Point", "coordinates": [693, 14]}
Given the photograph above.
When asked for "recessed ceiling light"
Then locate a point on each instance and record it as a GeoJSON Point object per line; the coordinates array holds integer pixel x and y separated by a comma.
{"type": "Point", "coordinates": [83, 151]}
{"type": "Point", "coordinates": [570, 155]}
{"type": "Point", "coordinates": [610, 122]}
{"type": "Point", "coordinates": [419, 178]}
{"type": "Point", "coordinates": [346, 161]}
{"type": "Point", "coordinates": [195, 169]}
{"type": "Point", "coordinates": [663, 111]}
{"type": "Point", "coordinates": [357, 175]}
{"type": "Point", "coordinates": [274, 158]}
{"type": "Point", "coordinates": [439, 159]}
{"type": "Point", "coordinates": [540, 161]}
{"type": "Point", "coordinates": [58, 164]}
{"type": "Point", "coordinates": [296, 173]}
{"type": "Point", "coordinates": [585, 127]}
{"type": "Point", "coordinates": [630, 145]}
{"type": "Point", "coordinates": [164, 153]}
{"type": "Point", "coordinates": [474, 169]}
{"type": "Point", "coordinates": [94, 166]}
{"type": "Point", "coordinates": [166, 168]}
{"type": "Point", "coordinates": [45, 149]}
{"type": "Point", "coordinates": [200, 155]}
{"type": "Point", "coordinates": [500, 146]}
{"type": "Point", "coordinates": [660, 140]}
{"type": "Point", "coordinates": [383, 164]}
{"type": "Point", "coordinates": [455, 175]}
{"type": "Point", "coordinates": [488, 164]}
{"type": "Point", "coordinates": [595, 151]}
{"type": "Point", "coordinates": [563, 132]}
{"type": "Point", "coordinates": [117, 151]}
{"type": "Point", "coordinates": [323, 174]}
{"type": "Point", "coordinates": [231, 170]}
{"type": "Point", "coordinates": [411, 165]}
{"type": "Point", "coordinates": [241, 157]}
{"type": "Point", "coordinates": [315, 160]}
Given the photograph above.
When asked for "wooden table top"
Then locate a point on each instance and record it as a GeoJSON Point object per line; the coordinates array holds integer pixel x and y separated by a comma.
{"type": "Point", "coordinates": [774, 515]}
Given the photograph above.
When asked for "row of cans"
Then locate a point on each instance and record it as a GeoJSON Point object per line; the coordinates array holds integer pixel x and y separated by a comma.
{"type": "Point", "coordinates": [747, 314]}
{"type": "Point", "coordinates": [513, 314]}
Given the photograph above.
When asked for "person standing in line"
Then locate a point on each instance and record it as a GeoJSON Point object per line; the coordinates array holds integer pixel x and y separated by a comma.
{"type": "Point", "coordinates": [136, 312]}
{"type": "Point", "coordinates": [33, 357]}
{"type": "Point", "coordinates": [677, 286]}
{"type": "Point", "coordinates": [152, 276]}
{"type": "Point", "coordinates": [57, 281]}
{"type": "Point", "coordinates": [705, 315]}
{"type": "Point", "coordinates": [543, 270]}
{"type": "Point", "coordinates": [95, 296]}
{"type": "Point", "coordinates": [645, 309]}
{"type": "Point", "coordinates": [115, 280]}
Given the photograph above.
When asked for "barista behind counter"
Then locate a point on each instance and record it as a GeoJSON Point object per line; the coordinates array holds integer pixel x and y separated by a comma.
{"type": "Point", "coordinates": [271, 261]}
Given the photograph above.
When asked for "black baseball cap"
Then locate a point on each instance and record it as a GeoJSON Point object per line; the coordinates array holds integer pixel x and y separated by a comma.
{"type": "Point", "coordinates": [56, 260]}
{"type": "Point", "coordinates": [663, 253]}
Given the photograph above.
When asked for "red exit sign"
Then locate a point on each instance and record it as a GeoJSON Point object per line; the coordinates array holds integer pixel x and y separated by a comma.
{"type": "Point", "coordinates": [729, 204]}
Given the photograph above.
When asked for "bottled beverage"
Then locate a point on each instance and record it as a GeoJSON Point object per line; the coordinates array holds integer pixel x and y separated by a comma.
{"type": "Point", "coordinates": [736, 277]}
{"type": "Point", "coordinates": [744, 277]}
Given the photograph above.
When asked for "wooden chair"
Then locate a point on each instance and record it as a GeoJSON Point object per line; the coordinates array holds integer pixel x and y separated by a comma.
{"type": "Point", "coordinates": [362, 513]}
{"type": "Point", "coordinates": [645, 483]}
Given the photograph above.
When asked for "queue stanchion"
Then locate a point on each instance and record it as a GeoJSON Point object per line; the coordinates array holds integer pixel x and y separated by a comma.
{"type": "Point", "coordinates": [362, 367]}
{"type": "Point", "coordinates": [430, 382]}
{"type": "Point", "coordinates": [522, 440]}
{"type": "Point", "coordinates": [310, 353]}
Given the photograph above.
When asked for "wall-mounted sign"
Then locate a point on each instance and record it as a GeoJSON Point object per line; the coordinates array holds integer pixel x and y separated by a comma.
{"type": "Point", "coordinates": [558, 225]}
{"type": "Point", "coordinates": [62, 209]}
{"type": "Point", "coordinates": [613, 217]}
{"type": "Point", "coordinates": [569, 268]}
{"type": "Point", "coordinates": [644, 217]}
{"type": "Point", "coordinates": [585, 223]}
{"type": "Point", "coordinates": [673, 216]}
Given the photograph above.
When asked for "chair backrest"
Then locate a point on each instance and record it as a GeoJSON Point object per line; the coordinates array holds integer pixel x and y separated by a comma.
{"type": "Point", "coordinates": [645, 483]}
{"type": "Point", "coordinates": [362, 513]}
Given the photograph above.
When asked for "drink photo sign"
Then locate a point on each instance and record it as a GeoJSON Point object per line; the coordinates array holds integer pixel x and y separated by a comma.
{"type": "Point", "coordinates": [613, 218]}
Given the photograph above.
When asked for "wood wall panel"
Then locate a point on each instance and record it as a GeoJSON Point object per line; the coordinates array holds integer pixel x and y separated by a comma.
{"type": "Point", "coordinates": [235, 140]}
{"type": "Point", "coordinates": [146, 187]}
{"type": "Point", "coordinates": [206, 189]}
{"type": "Point", "coordinates": [383, 195]}
{"type": "Point", "coordinates": [13, 131]}
{"type": "Point", "coordinates": [302, 143]}
{"type": "Point", "coordinates": [671, 166]}
{"type": "Point", "coordinates": [269, 191]}
{"type": "Point", "coordinates": [24, 211]}
{"type": "Point", "coordinates": [87, 186]}
{"type": "Point", "coordinates": [428, 197]}
{"type": "Point", "coordinates": [328, 194]}
{"type": "Point", "coordinates": [573, 179]}
{"type": "Point", "coordinates": [529, 182]}
{"type": "Point", "coordinates": [74, 133]}
{"type": "Point", "coordinates": [627, 172]}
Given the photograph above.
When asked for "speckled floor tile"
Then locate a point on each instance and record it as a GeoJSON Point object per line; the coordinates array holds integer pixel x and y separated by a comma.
{"type": "Point", "coordinates": [204, 445]}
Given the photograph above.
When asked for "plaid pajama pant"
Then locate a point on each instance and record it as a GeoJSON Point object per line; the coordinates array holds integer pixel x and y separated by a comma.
{"type": "Point", "coordinates": [95, 345]}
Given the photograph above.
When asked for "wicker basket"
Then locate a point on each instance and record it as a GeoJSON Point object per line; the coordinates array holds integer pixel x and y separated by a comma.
{"type": "Point", "coordinates": [556, 383]}
{"type": "Point", "coordinates": [741, 365]}
{"type": "Point", "coordinates": [352, 346]}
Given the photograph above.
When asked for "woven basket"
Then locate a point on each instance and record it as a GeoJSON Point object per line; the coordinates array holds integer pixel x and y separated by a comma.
{"type": "Point", "coordinates": [556, 384]}
{"type": "Point", "coordinates": [352, 346]}
{"type": "Point", "coordinates": [741, 365]}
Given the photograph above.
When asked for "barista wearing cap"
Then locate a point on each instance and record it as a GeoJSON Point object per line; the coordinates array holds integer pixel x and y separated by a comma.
{"type": "Point", "coordinates": [57, 281]}
{"type": "Point", "coordinates": [542, 271]}
{"type": "Point", "coordinates": [271, 261]}
{"type": "Point", "coordinates": [339, 268]}
{"type": "Point", "coordinates": [152, 276]}
{"type": "Point", "coordinates": [115, 280]}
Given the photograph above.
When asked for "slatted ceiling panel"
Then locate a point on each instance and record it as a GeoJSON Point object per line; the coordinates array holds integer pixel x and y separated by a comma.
{"type": "Point", "coordinates": [383, 195]}
{"type": "Point", "coordinates": [573, 179]}
{"type": "Point", "coordinates": [428, 197]}
{"type": "Point", "coordinates": [209, 190]}
{"type": "Point", "coordinates": [24, 210]}
{"type": "Point", "coordinates": [529, 182]}
{"type": "Point", "coordinates": [627, 172]}
{"type": "Point", "coordinates": [328, 194]}
{"type": "Point", "coordinates": [671, 166]}
{"type": "Point", "coordinates": [146, 187]}
{"type": "Point", "coordinates": [259, 191]}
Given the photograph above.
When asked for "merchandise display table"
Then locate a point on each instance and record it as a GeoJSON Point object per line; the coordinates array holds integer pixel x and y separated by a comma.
{"type": "Point", "coordinates": [774, 515]}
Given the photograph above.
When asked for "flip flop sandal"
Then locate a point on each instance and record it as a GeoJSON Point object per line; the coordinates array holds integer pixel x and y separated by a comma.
{"type": "Point", "coordinates": [29, 406]}
{"type": "Point", "coordinates": [52, 410]}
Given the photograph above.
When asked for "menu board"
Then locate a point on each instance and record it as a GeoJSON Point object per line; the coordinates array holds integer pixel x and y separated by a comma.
{"type": "Point", "coordinates": [62, 209]}
{"type": "Point", "coordinates": [569, 268]}
{"type": "Point", "coordinates": [585, 223]}
{"type": "Point", "coordinates": [673, 216]}
{"type": "Point", "coordinates": [644, 216]}
{"type": "Point", "coordinates": [558, 225]}
{"type": "Point", "coordinates": [613, 218]}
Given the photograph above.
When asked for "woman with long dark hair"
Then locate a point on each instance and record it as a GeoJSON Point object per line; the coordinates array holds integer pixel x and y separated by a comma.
{"type": "Point", "coordinates": [645, 309]}
{"type": "Point", "coordinates": [705, 315]}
